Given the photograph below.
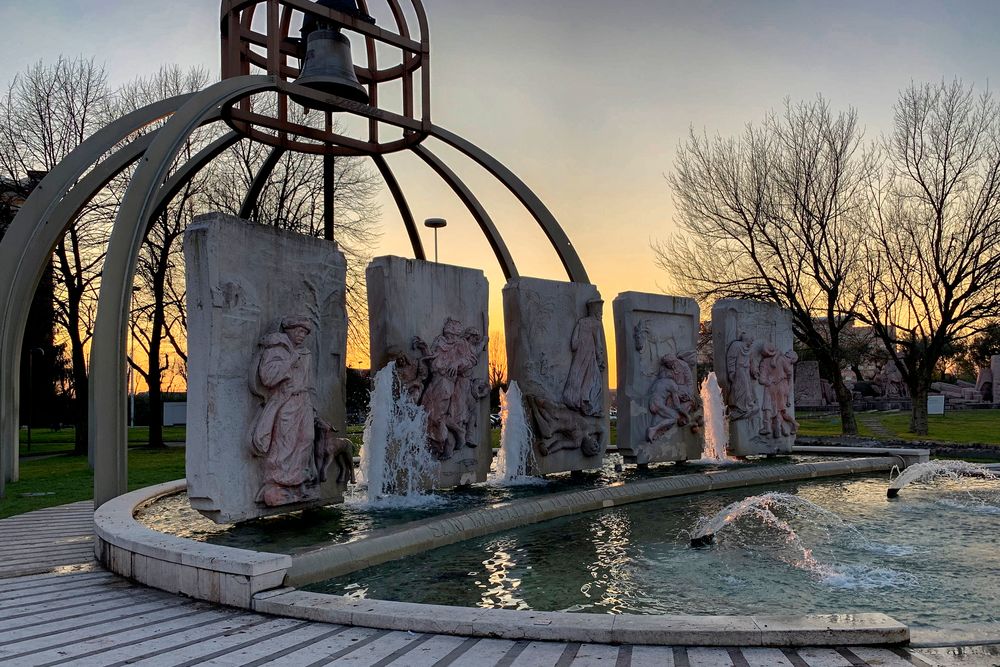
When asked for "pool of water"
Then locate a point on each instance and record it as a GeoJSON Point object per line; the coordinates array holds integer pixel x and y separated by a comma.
{"type": "Point", "coordinates": [930, 558]}
{"type": "Point", "coordinates": [298, 531]}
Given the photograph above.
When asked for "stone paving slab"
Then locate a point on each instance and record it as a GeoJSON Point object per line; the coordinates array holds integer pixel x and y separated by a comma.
{"type": "Point", "coordinates": [103, 619]}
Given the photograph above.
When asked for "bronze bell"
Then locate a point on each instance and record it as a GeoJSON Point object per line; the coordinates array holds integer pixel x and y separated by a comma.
{"type": "Point", "coordinates": [327, 65]}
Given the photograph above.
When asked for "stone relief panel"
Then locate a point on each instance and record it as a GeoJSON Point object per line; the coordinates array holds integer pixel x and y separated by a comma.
{"type": "Point", "coordinates": [557, 353]}
{"type": "Point", "coordinates": [267, 342]}
{"type": "Point", "coordinates": [755, 365]}
{"type": "Point", "coordinates": [809, 388]}
{"type": "Point", "coordinates": [432, 320]}
{"type": "Point", "coordinates": [659, 409]}
{"type": "Point", "coordinates": [995, 374]}
{"type": "Point", "coordinates": [295, 443]}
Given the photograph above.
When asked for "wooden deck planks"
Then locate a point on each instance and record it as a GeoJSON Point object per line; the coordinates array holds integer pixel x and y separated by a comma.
{"type": "Point", "coordinates": [67, 611]}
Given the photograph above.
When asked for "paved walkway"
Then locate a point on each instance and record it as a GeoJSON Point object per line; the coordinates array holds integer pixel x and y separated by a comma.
{"type": "Point", "coordinates": [58, 607]}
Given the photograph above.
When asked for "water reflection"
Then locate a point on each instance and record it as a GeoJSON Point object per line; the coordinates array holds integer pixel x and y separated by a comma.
{"type": "Point", "coordinates": [928, 560]}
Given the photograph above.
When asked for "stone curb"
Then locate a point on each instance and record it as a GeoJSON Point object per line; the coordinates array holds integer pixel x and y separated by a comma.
{"type": "Point", "coordinates": [226, 575]}
{"type": "Point", "coordinates": [674, 630]}
{"type": "Point", "coordinates": [252, 580]}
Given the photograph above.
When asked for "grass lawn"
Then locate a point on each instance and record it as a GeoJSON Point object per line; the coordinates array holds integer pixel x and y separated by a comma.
{"type": "Point", "coordinates": [48, 441]}
{"type": "Point", "coordinates": [827, 424]}
{"type": "Point", "coordinates": [67, 479]}
{"type": "Point", "coordinates": [964, 426]}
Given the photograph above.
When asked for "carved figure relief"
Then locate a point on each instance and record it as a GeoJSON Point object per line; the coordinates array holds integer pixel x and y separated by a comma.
{"type": "Point", "coordinates": [583, 390]}
{"type": "Point", "coordinates": [672, 399]}
{"type": "Point", "coordinates": [295, 443]}
{"type": "Point", "coordinates": [741, 373]}
{"type": "Point", "coordinates": [984, 384]}
{"type": "Point", "coordinates": [776, 373]}
{"type": "Point", "coordinates": [890, 381]}
{"type": "Point", "coordinates": [559, 427]}
{"type": "Point", "coordinates": [441, 382]}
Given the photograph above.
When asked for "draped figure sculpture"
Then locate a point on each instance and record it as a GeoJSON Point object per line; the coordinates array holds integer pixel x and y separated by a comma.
{"type": "Point", "coordinates": [451, 395]}
{"type": "Point", "coordinates": [776, 373]}
{"type": "Point", "coordinates": [287, 433]}
{"type": "Point", "coordinates": [583, 391]}
{"type": "Point", "coordinates": [741, 373]}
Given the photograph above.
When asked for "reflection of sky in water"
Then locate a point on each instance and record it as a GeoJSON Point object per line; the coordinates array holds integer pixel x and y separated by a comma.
{"type": "Point", "coordinates": [343, 523]}
{"type": "Point", "coordinates": [928, 559]}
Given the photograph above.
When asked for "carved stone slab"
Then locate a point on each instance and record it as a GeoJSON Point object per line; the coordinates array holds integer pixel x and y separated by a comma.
{"type": "Point", "coordinates": [557, 353]}
{"type": "Point", "coordinates": [754, 361]}
{"type": "Point", "coordinates": [808, 384]}
{"type": "Point", "coordinates": [446, 308]}
{"type": "Point", "coordinates": [659, 409]}
{"type": "Point", "coordinates": [243, 280]}
{"type": "Point", "coordinates": [995, 367]}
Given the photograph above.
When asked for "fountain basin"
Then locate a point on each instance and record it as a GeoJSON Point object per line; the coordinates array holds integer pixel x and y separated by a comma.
{"type": "Point", "coordinates": [125, 547]}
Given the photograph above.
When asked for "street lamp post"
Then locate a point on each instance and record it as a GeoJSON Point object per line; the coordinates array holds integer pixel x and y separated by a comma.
{"type": "Point", "coordinates": [435, 224]}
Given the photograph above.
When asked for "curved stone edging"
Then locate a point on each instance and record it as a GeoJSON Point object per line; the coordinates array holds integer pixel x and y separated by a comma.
{"type": "Point", "coordinates": [388, 544]}
{"type": "Point", "coordinates": [251, 579]}
{"type": "Point", "coordinates": [226, 575]}
{"type": "Point", "coordinates": [675, 630]}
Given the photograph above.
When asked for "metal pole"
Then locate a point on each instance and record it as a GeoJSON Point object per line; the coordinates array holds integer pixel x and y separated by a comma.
{"type": "Point", "coordinates": [328, 161]}
{"type": "Point", "coordinates": [435, 224]}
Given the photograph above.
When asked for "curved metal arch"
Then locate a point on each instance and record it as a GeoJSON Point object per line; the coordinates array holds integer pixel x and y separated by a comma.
{"type": "Point", "coordinates": [181, 177]}
{"type": "Point", "coordinates": [259, 181]}
{"type": "Point", "coordinates": [404, 207]}
{"type": "Point", "coordinates": [475, 208]}
{"type": "Point", "coordinates": [557, 237]}
{"type": "Point", "coordinates": [34, 232]}
{"type": "Point", "coordinates": [108, 433]}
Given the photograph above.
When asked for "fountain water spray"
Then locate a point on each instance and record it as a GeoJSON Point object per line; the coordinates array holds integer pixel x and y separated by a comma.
{"type": "Point", "coordinates": [516, 456]}
{"type": "Point", "coordinates": [935, 470]}
{"type": "Point", "coordinates": [716, 424]}
{"type": "Point", "coordinates": [395, 459]}
{"type": "Point", "coordinates": [758, 518]}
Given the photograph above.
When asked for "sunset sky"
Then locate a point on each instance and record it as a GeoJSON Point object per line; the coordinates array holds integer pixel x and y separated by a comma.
{"type": "Point", "coordinates": [586, 101]}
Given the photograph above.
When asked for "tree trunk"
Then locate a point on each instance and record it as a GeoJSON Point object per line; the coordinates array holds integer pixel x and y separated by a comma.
{"type": "Point", "coordinates": [845, 399]}
{"type": "Point", "coordinates": [153, 380]}
{"type": "Point", "coordinates": [80, 397]}
{"type": "Point", "coordinates": [918, 415]}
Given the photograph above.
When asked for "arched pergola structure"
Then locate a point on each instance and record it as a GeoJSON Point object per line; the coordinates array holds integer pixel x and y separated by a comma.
{"type": "Point", "coordinates": [255, 37]}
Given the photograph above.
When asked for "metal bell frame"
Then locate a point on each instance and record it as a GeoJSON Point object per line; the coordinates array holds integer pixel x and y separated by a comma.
{"type": "Point", "coordinates": [67, 189]}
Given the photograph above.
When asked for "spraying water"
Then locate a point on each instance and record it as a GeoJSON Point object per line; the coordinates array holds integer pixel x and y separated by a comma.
{"type": "Point", "coordinates": [516, 457]}
{"type": "Point", "coordinates": [396, 464]}
{"type": "Point", "coordinates": [716, 424]}
{"type": "Point", "coordinates": [791, 528]}
{"type": "Point", "coordinates": [938, 470]}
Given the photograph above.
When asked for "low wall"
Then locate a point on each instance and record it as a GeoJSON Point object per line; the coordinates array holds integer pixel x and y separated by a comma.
{"type": "Point", "coordinates": [203, 571]}
{"type": "Point", "coordinates": [261, 581]}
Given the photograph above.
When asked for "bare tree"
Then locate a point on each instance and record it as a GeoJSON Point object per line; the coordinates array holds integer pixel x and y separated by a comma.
{"type": "Point", "coordinates": [933, 273]}
{"type": "Point", "coordinates": [157, 304]}
{"type": "Point", "coordinates": [47, 112]}
{"type": "Point", "coordinates": [497, 360]}
{"type": "Point", "coordinates": [775, 215]}
{"type": "Point", "coordinates": [292, 198]}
